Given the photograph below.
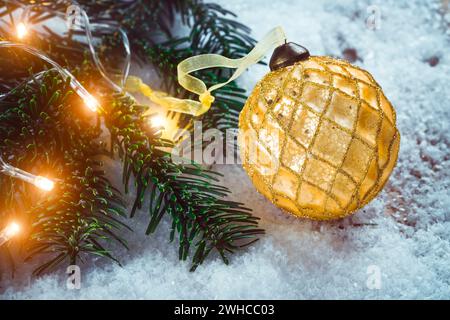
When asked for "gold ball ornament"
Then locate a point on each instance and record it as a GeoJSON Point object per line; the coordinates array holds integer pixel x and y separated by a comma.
{"type": "Point", "coordinates": [318, 137]}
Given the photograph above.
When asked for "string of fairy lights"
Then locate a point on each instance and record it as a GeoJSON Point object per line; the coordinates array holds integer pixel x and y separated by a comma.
{"type": "Point", "coordinates": [127, 84]}
{"type": "Point", "coordinates": [21, 33]}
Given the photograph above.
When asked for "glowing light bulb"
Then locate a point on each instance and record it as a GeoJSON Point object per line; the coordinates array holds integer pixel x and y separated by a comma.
{"type": "Point", "coordinates": [158, 121]}
{"type": "Point", "coordinates": [44, 183]}
{"type": "Point", "coordinates": [21, 30]}
{"type": "Point", "coordinates": [91, 103]}
{"type": "Point", "coordinates": [12, 229]}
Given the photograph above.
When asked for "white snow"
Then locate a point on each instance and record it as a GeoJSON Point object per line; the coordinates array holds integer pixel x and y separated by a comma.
{"type": "Point", "coordinates": [408, 236]}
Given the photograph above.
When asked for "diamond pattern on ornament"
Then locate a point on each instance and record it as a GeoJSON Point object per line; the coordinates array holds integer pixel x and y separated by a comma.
{"type": "Point", "coordinates": [331, 131]}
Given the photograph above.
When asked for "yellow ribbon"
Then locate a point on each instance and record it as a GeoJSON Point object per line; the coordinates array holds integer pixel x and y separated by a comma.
{"type": "Point", "coordinates": [136, 85]}
{"type": "Point", "coordinates": [274, 38]}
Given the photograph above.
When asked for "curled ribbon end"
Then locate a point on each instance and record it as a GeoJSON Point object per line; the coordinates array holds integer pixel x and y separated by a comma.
{"type": "Point", "coordinates": [275, 37]}
{"type": "Point", "coordinates": [206, 99]}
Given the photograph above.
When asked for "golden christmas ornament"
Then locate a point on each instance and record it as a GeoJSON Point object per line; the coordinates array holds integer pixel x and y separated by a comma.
{"type": "Point", "coordinates": [318, 138]}
{"type": "Point", "coordinates": [317, 135]}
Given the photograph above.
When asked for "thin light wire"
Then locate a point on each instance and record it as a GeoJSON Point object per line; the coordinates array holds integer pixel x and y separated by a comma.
{"type": "Point", "coordinates": [90, 41]}
{"type": "Point", "coordinates": [39, 181]}
{"type": "Point", "coordinates": [74, 83]}
{"type": "Point", "coordinates": [34, 76]}
{"type": "Point", "coordinates": [90, 101]}
{"type": "Point", "coordinates": [98, 63]}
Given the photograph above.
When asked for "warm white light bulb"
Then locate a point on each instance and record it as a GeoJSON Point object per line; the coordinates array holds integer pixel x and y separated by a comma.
{"type": "Point", "coordinates": [158, 121]}
{"type": "Point", "coordinates": [91, 103]}
{"type": "Point", "coordinates": [21, 30]}
{"type": "Point", "coordinates": [44, 183]}
{"type": "Point", "coordinates": [12, 229]}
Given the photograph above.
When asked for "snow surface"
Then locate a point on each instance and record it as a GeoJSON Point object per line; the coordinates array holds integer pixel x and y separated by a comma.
{"type": "Point", "coordinates": [404, 233]}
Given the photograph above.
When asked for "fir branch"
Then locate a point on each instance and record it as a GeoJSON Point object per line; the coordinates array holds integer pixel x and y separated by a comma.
{"type": "Point", "coordinates": [140, 150]}
{"type": "Point", "coordinates": [187, 193]}
{"type": "Point", "coordinates": [44, 129]}
{"type": "Point", "coordinates": [190, 195]}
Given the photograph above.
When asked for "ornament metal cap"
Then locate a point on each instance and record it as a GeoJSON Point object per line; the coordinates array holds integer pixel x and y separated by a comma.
{"type": "Point", "coordinates": [287, 54]}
